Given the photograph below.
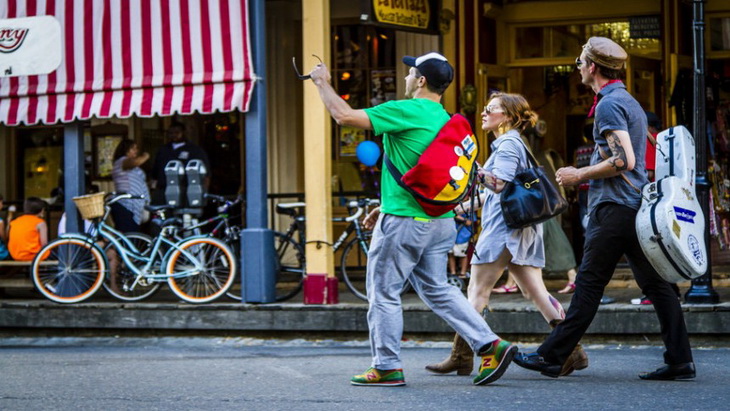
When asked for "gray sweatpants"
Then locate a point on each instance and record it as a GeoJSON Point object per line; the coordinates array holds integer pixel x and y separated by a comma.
{"type": "Point", "coordinates": [402, 249]}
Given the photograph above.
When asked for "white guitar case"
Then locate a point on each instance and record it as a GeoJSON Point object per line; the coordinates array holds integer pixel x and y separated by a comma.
{"type": "Point", "coordinates": [670, 223]}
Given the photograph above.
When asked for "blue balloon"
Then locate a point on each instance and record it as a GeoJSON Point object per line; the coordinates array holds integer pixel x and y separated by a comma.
{"type": "Point", "coordinates": [368, 153]}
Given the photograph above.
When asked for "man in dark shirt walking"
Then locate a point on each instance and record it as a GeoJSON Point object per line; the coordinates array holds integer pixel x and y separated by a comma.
{"type": "Point", "coordinates": [615, 173]}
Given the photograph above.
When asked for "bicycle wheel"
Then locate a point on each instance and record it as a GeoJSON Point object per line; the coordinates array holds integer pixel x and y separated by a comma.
{"type": "Point", "coordinates": [68, 270]}
{"type": "Point", "coordinates": [456, 281]}
{"type": "Point", "coordinates": [290, 267]}
{"type": "Point", "coordinates": [235, 291]}
{"type": "Point", "coordinates": [212, 280]}
{"type": "Point", "coordinates": [119, 284]}
{"type": "Point", "coordinates": [353, 266]}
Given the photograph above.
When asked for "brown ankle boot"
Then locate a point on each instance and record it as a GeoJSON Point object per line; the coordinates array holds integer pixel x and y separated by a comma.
{"type": "Point", "coordinates": [577, 360]}
{"type": "Point", "coordinates": [460, 360]}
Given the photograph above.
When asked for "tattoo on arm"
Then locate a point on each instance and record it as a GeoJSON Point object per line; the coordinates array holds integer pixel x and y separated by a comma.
{"type": "Point", "coordinates": [618, 154]}
{"type": "Point", "coordinates": [488, 179]}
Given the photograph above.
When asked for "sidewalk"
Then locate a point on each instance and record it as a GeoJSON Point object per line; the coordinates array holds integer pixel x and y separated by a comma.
{"type": "Point", "coordinates": [510, 314]}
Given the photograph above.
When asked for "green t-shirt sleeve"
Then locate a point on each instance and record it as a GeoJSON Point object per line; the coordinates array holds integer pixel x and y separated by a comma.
{"type": "Point", "coordinates": [386, 117]}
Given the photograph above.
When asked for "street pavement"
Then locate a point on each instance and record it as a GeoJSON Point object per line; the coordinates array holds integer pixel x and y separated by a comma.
{"type": "Point", "coordinates": [236, 373]}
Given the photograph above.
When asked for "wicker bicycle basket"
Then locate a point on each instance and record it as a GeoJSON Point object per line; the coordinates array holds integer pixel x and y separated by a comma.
{"type": "Point", "coordinates": [90, 206]}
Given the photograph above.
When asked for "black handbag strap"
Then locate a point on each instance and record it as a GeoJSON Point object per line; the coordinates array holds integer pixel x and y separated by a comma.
{"type": "Point", "coordinates": [531, 160]}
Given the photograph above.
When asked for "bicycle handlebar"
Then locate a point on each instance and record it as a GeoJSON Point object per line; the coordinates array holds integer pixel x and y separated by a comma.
{"type": "Point", "coordinates": [215, 197]}
{"type": "Point", "coordinates": [360, 206]}
{"type": "Point", "coordinates": [355, 216]}
{"type": "Point", "coordinates": [291, 209]}
{"type": "Point", "coordinates": [225, 203]}
{"type": "Point", "coordinates": [363, 202]}
{"type": "Point", "coordinates": [122, 196]}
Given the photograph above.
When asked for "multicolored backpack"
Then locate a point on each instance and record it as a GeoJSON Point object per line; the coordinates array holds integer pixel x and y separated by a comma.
{"type": "Point", "coordinates": [444, 175]}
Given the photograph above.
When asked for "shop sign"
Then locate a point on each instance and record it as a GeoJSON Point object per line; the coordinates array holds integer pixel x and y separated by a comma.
{"type": "Point", "coordinates": [29, 46]}
{"type": "Point", "coordinates": [645, 27]}
{"type": "Point", "coordinates": [408, 13]}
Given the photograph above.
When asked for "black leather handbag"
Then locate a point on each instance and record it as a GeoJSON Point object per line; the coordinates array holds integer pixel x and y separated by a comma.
{"type": "Point", "coordinates": [531, 197]}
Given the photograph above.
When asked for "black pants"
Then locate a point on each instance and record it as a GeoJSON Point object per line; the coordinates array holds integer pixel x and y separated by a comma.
{"type": "Point", "coordinates": [123, 219]}
{"type": "Point", "coordinates": [611, 233]}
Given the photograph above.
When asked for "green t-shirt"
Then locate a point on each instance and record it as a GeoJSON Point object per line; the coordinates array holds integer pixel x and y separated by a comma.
{"type": "Point", "coordinates": [408, 127]}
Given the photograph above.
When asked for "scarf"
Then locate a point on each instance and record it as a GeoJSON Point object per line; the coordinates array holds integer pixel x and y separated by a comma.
{"type": "Point", "coordinates": [592, 111]}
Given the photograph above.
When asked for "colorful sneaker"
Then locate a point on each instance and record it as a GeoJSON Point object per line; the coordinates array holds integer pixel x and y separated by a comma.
{"type": "Point", "coordinates": [495, 362]}
{"type": "Point", "coordinates": [376, 377]}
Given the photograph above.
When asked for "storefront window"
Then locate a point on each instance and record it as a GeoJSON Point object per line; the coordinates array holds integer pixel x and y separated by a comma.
{"type": "Point", "coordinates": [42, 162]}
{"type": "Point", "coordinates": [352, 87]}
{"type": "Point", "coordinates": [529, 42]}
{"type": "Point", "coordinates": [558, 44]}
{"type": "Point", "coordinates": [548, 42]}
{"type": "Point", "coordinates": [364, 67]}
{"type": "Point", "coordinates": [619, 31]}
{"type": "Point", "coordinates": [720, 34]}
{"type": "Point", "coordinates": [364, 76]}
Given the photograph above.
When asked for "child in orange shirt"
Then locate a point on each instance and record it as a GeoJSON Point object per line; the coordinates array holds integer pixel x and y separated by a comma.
{"type": "Point", "coordinates": [29, 232]}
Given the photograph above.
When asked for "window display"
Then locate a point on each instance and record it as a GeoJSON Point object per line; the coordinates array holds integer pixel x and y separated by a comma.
{"type": "Point", "coordinates": [363, 74]}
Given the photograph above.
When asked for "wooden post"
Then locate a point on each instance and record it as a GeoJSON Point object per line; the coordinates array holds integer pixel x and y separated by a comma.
{"type": "Point", "coordinates": [73, 176]}
{"type": "Point", "coordinates": [258, 258]}
{"type": "Point", "coordinates": [320, 285]}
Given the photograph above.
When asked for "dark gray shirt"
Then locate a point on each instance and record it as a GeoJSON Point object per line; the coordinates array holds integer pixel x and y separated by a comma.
{"type": "Point", "coordinates": [618, 110]}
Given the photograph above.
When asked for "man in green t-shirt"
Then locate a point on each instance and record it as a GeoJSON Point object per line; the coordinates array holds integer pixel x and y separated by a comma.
{"type": "Point", "coordinates": [407, 244]}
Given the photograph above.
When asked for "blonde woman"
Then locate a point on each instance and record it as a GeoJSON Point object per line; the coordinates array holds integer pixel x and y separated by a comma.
{"type": "Point", "coordinates": [499, 247]}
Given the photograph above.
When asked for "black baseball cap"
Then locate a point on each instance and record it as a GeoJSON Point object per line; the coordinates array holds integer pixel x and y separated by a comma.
{"type": "Point", "coordinates": [434, 67]}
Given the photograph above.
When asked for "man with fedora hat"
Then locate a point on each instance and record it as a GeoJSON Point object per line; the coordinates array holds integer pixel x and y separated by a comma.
{"type": "Point", "coordinates": [616, 171]}
{"type": "Point", "coordinates": [407, 244]}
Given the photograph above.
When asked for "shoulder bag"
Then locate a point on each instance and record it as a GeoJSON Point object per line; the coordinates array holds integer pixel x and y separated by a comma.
{"type": "Point", "coordinates": [530, 198]}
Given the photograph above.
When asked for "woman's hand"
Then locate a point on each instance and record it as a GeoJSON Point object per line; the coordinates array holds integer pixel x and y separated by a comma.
{"type": "Point", "coordinates": [490, 181]}
{"type": "Point", "coordinates": [369, 221]}
{"type": "Point", "coordinates": [462, 208]}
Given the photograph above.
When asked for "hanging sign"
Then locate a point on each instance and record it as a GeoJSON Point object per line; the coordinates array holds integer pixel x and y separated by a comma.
{"type": "Point", "coordinates": [408, 13]}
{"type": "Point", "coordinates": [29, 46]}
{"type": "Point", "coordinates": [645, 27]}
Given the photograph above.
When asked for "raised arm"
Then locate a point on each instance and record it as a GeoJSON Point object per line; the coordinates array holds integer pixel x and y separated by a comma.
{"type": "Point", "coordinates": [620, 158]}
{"type": "Point", "coordinates": [130, 163]}
{"type": "Point", "coordinates": [341, 112]}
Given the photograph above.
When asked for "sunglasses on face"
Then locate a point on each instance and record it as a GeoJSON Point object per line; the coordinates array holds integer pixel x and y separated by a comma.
{"type": "Point", "coordinates": [492, 109]}
{"type": "Point", "coordinates": [579, 63]}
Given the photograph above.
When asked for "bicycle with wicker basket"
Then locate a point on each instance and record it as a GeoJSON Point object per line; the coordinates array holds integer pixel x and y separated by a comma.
{"type": "Point", "coordinates": [70, 269]}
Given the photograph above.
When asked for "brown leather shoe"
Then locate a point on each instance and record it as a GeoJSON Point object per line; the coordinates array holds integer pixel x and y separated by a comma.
{"type": "Point", "coordinates": [460, 360]}
{"type": "Point", "coordinates": [577, 360]}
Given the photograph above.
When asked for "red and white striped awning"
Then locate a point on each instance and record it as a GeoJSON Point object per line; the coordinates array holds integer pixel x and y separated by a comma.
{"type": "Point", "coordinates": [135, 57]}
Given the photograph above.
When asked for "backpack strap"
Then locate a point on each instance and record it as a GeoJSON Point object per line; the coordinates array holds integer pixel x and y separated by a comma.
{"type": "Point", "coordinates": [397, 175]}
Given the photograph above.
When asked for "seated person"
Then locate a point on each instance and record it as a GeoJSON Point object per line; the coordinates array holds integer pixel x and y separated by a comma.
{"type": "Point", "coordinates": [4, 253]}
{"type": "Point", "coordinates": [29, 232]}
